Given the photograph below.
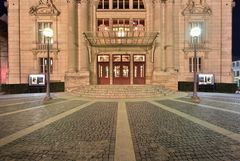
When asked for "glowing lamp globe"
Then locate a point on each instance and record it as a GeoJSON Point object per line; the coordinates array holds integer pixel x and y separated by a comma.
{"type": "Point", "coordinates": [195, 31]}
{"type": "Point", "coordinates": [48, 32]}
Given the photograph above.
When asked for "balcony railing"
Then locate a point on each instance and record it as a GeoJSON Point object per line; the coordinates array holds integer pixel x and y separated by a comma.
{"type": "Point", "coordinates": [44, 47]}
{"type": "Point", "coordinates": [202, 46]}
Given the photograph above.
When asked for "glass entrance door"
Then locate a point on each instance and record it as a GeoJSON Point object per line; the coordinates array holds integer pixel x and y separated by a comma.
{"type": "Point", "coordinates": [121, 69]}
{"type": "Point", "coordinates": [103, 69]}
{"type": "Point", "coordinates": [139, 69]}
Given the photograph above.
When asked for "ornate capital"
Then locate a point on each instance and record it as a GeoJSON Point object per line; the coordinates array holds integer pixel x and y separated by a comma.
{"type": "Point", "coordinates": [197, 7]}
{"type": "Point", "coordinates": [44, 8]}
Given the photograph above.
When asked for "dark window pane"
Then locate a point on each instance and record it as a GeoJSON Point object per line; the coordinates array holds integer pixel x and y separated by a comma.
{"type": "Point", "coordinates": [100, 6]}
{"type": "Point", "coordinates": [126, 4]}
{"type": "Point", "coordinates": [120, 4]}
{"type": "Point", "coordinates": [114, 4]}
{"type": "Point", "coordinates": [106, 22]}
{"type": "Point", "coordinates": [106, 4]}
{"type": "Point", "coordinates": [141, 4]}
{"type": "Point", "coordinates": [135, 4]}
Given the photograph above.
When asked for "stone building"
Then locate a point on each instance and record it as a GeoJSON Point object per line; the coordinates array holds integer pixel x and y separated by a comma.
{"type": "Point", "coordinates": [3, 52]}
{"type": "Point", "coordinates": [119, 41]}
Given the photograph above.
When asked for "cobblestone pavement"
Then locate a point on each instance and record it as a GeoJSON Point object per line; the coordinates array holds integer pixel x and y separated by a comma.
{"type": "Point", "coordinates": [216, 103]}
{"type": "Point", "coordinates": [159, 135]}
{"type": "Point", "coordinates": [76, 137]}
{"type": "Point", "coordinates": [15, 122]}
{"type": "Point", "coordinates": [71, 128]}
{"type": "Point", "coordinates": [223, 119]}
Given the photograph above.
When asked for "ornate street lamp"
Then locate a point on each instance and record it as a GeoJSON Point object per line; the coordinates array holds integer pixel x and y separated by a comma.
{"type": "Point", "coordinates": [195, 33]}
{"type": "Point", "coordinates": [48, 33]}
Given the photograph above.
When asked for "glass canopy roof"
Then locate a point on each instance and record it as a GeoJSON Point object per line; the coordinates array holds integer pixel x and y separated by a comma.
{"type": "Point", "coordinates": [121, 38]}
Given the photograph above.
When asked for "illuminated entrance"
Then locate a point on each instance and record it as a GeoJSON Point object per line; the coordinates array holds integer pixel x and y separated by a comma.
{"type": "Point", "coordinates": [139, 64]}
{"type": "Point", "coordinates": [103, 76]}
{"type": "Point", "coordinates": [121, 69]}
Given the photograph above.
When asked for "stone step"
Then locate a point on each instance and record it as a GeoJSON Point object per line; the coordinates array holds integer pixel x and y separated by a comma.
{"type": "Point", "coordinates": [121, 91]}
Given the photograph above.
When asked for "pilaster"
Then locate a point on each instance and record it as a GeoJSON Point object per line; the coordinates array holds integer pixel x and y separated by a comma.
{"type": "Point", "coordinates": [157, 27]}
{"type": "Point", "coordinates": [169, 48]}
{"type": "Point", "coordinates": [83, 27]}
{"type": "Point", "coordinates": [72, 36]}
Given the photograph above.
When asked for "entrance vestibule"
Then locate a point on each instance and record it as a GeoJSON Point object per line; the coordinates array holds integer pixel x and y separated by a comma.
{"type": "Point", "coordinates": [121, 71]}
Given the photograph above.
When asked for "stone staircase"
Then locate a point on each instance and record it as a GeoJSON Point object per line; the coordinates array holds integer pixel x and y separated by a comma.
{"type": "Point", "coordinates": [121, 91]}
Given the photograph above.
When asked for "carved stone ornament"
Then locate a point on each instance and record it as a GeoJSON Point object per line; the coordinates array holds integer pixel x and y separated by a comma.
{"type": "Point", "coordinates": [197, 7]}
{"type": "Point", "coordinates": [44, 8]}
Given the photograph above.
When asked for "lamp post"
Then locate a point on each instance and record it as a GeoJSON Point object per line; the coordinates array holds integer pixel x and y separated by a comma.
{"type": "Point", "coordinates": [48, 33]}
{"type": "Point", "coordinates": [195, 33]}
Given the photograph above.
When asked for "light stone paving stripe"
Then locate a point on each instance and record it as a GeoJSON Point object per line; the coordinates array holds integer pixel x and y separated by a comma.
{"type": "Point", "coordinates": [32, 108]}
{"type": "Point", "coordinates": [234, 103]}
{"type": "Point", "coordinates": [18, 103]}
{"type": "Point", "coordinates": [37, 126]}
{"type": "Point", "coordinates": [207, 106]}
{"type": "Point", "coordinates": [210, 126]}
{"type": "Point", "coordinates": [124, 150]}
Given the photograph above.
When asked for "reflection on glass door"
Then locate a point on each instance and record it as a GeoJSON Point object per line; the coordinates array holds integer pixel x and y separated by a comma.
{"type": "Point", "coordinates": [139, 69]}
{"type": "Point", "coordinates": [121, 69]}
{"type": "Point", "coordinates": [103, 69]}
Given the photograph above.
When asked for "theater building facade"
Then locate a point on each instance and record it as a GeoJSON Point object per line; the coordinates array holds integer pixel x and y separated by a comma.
{"type": "Point", "coordinates": [119, 42]}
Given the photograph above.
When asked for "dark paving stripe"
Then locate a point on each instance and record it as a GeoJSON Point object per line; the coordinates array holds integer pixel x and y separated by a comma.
{"type": "Point", "coordinates": [12, 123]}
{"type": "Point", "coordinates": [159, 135]}
{"type": "Point", "coordinates": [226, 120]}
{"type": "Point", "coordinates": [215, 103]}
{"type": "Point", "coordinates": [11, 108]}
{"type": "Point", "coordinates": [88, 134]}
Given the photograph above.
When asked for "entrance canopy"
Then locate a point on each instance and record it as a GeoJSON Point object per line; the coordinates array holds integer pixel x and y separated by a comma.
{"type": "Point", "coordinates": [121, 38]}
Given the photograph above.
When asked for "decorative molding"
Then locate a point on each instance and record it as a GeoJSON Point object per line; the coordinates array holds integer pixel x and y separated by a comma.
{"type": "Point", "coordinates": [44, 8]}
{"type": "Point", "coordinates": [83, 1]}
{"type": "Point", "coordinates": [159, 1]}
{"type": "Point", "coordinates": [196, 7]}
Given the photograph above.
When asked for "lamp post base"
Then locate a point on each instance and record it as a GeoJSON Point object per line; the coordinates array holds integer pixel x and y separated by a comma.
{"type": "Point", "coordinates": [47, 98]}
{"type": "Point", "coordinates": [195, 99]}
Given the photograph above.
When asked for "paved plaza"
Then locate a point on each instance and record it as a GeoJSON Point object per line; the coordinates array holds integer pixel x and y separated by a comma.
{"type": "Point", "coordinates": [167, 128]}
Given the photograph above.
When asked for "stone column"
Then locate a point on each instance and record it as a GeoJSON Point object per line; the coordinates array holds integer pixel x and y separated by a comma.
{"type": "Point", "coordinates": [157, 28]}
{"type": "Point", "coordinates": [169, 47]}
{"type": "Point", "coordinates": [83, 27]}
{"type": "Point", "coordinates": [72, 36]}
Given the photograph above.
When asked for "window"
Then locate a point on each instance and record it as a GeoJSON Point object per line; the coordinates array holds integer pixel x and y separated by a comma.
{"type": "Point", "coordinates": [191, 64]}
{"type": "Point", "coordinates": [121, 25]}
{"type": "Point", "coordinates": [103, 24]}
{"type": "Point", "coordinates": [138, 24]}
{"type": "Point", "coordinates": [41, 38]}
{"type": "Point", "coordinates": [199, 39]}
{"type": "Point", "coordinates": [103, 4]}
{"type": "Point", "coordinates": [233, 64]}
{"type": "Point", "coordinates": [237, 65]}
{"type": "Point", "coordinates": [138, 4]}
{"type": "Point", "coordinates": [237, 73]}
{"type": "Point", "coordinates": [120, 4]}
{"type": "Point", "coordinates": [43, 65]}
